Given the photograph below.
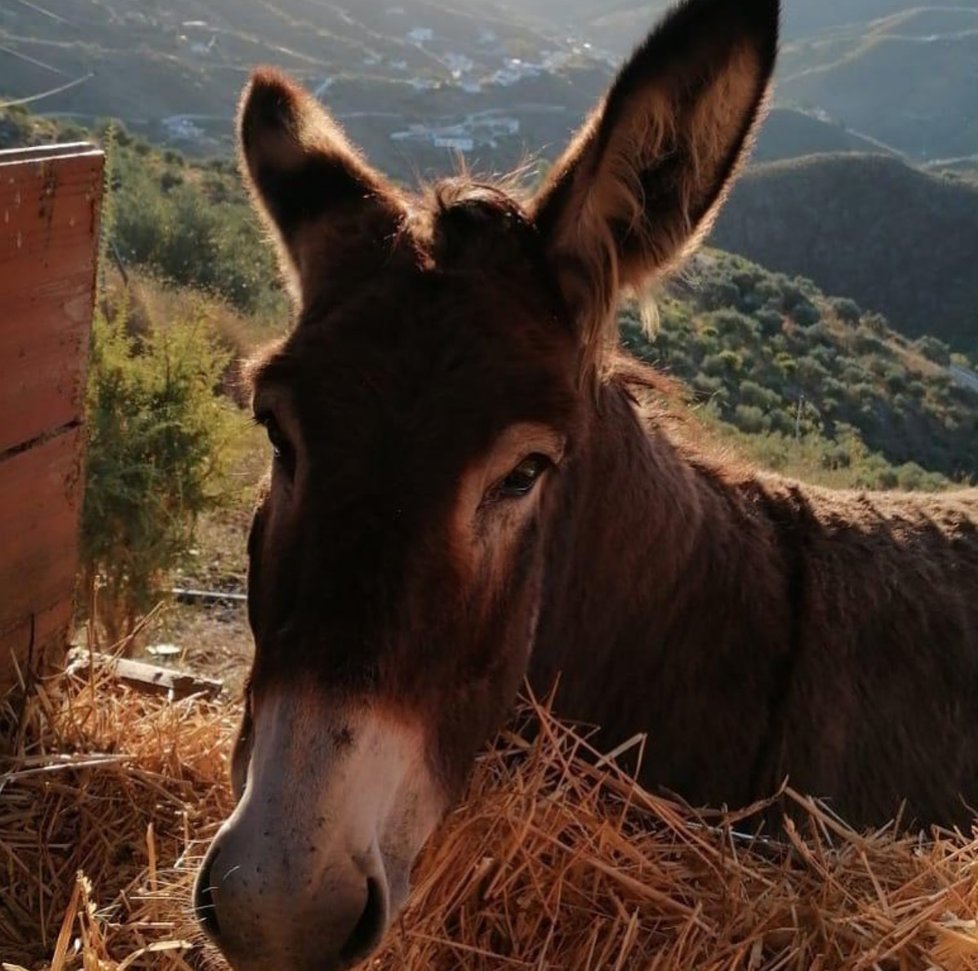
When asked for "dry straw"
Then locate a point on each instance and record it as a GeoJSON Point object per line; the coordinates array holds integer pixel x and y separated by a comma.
{"type": "Point", "coordinates": [107, 799]}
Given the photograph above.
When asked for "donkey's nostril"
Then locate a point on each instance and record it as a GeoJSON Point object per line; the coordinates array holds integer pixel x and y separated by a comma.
{"type": "Point", "coordinates": [204, 909]}
{"type": "Point", "coordinates": [369, 927]}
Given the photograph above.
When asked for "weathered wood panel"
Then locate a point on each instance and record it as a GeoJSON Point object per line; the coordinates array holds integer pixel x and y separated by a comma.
{"type": "Point", "coordinates": [49, 210]}
{"type": "Point", "coordinates": [49, 216]}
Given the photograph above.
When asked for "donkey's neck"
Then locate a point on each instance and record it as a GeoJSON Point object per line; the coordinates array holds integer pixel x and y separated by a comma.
{"type": "Point", "coordinates": [631, 512]}
{"type": "Point", "coordinates": [652, 555]}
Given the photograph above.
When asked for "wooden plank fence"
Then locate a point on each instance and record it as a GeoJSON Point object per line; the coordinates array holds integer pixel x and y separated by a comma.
{"type": "Point", "coordinates": [49, 215]}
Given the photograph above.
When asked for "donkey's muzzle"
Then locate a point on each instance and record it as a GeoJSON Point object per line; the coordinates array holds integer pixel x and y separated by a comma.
{"type": "Point", "coordinates": [313, 863]}
{"type": "Point", "coordinates": [261, 924]}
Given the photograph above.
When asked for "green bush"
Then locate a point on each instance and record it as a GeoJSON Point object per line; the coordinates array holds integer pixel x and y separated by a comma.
{"type": "Point", "coordinates": [934, 350]}
{"type": "Point", "coordinates": [848, 311]}
{"type": "Point", "coordinates": [896, 381]}
{"type": "Point", "coordinates": [170, 180]}
{"type": "Point", "coordinates": [712, 386]}
{"type": "Point", "coordinates": [771, 321]}
{"type": "Point", "coordinates": [750, 419]}
{"type": "Point", "coordinates": [157, 444]}
{"type": "Point", "coordinates": [912, 476]}
{"type": "Point", "coordinates": [205, 236]}
{"type": "Point", "coordinates": [805, 313]}
{"type": "Point", "coordinates": [717, 292]}
{"type": "Point", "coordinates": [733, 326]}
{"type": "Point", "coordinates": [876, 323]}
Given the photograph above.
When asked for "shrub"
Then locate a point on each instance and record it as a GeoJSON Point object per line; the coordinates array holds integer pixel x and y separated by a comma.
{"type": "Point", "coordinates": [836, 456]}
{"type": "Point", "coordinates": [751, 393]}
{"type": "Point", "coordinates": [157, 442]}
{"type": "Point", "coordinates": [770, 321]}
{"type": "Point", "coordinates": [726, 362]}
{"type": "Point", "coordinates": [811, 373]}
{"type": "Point", "coordinates": [848, 311]}
{"type": "Point", "coordinates": [786, 363]}
{"type": "Point", "coordinates": [866, 340]}
{"type": "Point", "coordinates": [717, 292]}
{"type": "Point", "coordinates": [876, 323]}
{"type": "Point", "coordinates": [805, 313]}
{"type": "Point", "coordinates": [912, 477]}
{"type": "Point", "coordinates": [934, 350]}
{"type": "Point", "coordinates": [733, 326]}
{"type": "Point", "coordinates": [750, 419]}
{"type": "Point", "coordinates": [211, 241]}
{"type": "Point", "coordinates": [169, 180]}
{"type": "Point", "coordinates": [707, 385]}
{"type": "Point", "coordinates": [896, 380]}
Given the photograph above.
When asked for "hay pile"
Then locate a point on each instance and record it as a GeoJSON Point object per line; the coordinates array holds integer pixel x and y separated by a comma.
{"type": "Point", "coordinates": [549, 864]}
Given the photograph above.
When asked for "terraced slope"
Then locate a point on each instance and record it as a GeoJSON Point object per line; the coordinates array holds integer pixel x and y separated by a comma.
{"type": "Point", "coordinates": [466, 75]}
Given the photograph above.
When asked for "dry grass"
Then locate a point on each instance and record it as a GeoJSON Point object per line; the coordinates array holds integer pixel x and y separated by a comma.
{"type": "Point", "coordinates": [550, 863]}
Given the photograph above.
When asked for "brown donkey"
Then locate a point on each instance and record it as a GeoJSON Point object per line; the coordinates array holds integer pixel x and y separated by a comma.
{"type": "Point", "coordinates": [467, 488]}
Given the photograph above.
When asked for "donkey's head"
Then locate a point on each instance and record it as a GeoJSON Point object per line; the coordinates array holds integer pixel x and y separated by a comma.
{"type": "Point", "coordinates": [426, 414]}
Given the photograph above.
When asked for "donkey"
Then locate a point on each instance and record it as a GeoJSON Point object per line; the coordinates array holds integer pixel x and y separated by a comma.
{"type": "Point", "coordinates": [470, 485]}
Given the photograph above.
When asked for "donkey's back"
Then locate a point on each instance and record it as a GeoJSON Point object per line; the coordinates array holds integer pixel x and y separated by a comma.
{"type": "Point", "coordinates": [881, 690]}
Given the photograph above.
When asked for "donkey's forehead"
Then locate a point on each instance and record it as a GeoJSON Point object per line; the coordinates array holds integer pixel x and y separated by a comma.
{"type": "Point", "coordinates": [456, 241]}
{"type": "Point", "coordinates": [425, 340]}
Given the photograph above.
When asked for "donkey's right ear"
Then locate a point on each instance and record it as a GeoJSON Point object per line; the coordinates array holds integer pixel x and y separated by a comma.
{"type": "Point", "coordinates": [326, 207]}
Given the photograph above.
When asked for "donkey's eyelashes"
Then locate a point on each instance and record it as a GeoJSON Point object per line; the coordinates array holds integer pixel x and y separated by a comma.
{"type": "Point", "coordinates": [282, 448]}
{"type": "Point", "coordinates": [521, 480]}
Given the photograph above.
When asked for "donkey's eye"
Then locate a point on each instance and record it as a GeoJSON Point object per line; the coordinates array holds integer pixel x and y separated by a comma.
{"type": "Point", "coordinates": [281, 447]}
{"type": "Point", "coordinates": [523, 478]}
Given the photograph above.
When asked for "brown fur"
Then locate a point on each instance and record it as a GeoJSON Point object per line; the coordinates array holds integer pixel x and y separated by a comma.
{"type": "Point", "coordinates": [404, 561]}
{"type": "Point", "coordinates": [761, 629]}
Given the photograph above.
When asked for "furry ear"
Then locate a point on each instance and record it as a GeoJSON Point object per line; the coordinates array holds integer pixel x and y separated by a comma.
{"type": "Point", "coordinates": [641, 183]}
{"type": "Point", "coordinates": [328, 210]}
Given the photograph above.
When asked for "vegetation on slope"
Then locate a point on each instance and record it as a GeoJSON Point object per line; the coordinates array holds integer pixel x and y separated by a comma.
{"type": "Point", "coordinates": [813, 381]}
{"type": "Point", "coordinates": [897, 240]}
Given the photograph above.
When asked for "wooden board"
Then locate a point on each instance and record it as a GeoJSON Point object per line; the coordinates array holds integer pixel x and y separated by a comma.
{"type": "Point", "coordinates": [49, 211]}
{"type": "Point", "coordinates": [148, 678]}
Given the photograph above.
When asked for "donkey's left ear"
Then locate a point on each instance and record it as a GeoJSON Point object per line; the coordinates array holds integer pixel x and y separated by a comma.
{"type": "Point", "coordinates": [643, 180]}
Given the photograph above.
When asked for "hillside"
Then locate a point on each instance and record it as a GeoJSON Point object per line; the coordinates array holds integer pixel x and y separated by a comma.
{"type": "Point", "coordinates": [789, 133]}
{"type": "Point", "coordinates": [807, 378]}
{"type": "Point", "coordinates": [894, 238]}
{"type": "Point", "coordinates": [908, 81]}
{"type": "Point", "coordinates": [806, 19]}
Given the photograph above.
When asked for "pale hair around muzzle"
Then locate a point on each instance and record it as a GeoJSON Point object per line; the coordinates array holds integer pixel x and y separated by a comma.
{"type": "Point", "coordinates": [313, 864]}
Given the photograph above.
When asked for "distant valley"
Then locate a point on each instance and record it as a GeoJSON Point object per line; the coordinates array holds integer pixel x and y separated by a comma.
{"type": "Point", "coordinates": [415, 80]}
